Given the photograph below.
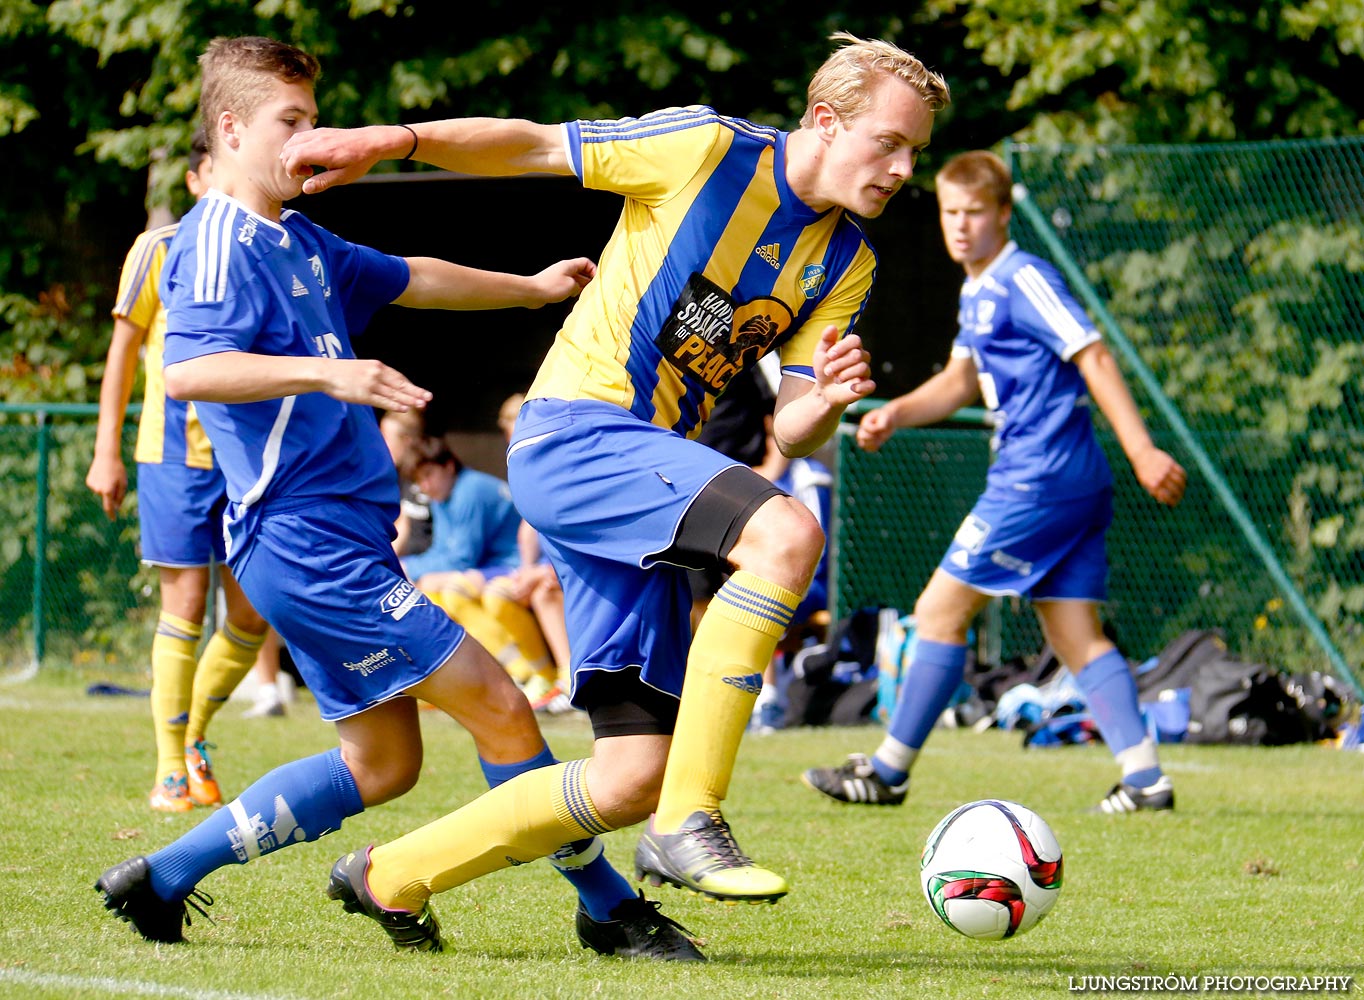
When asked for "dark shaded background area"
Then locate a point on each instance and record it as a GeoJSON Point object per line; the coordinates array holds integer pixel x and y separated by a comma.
{"type": "Point", "coordinates": [472, 361]}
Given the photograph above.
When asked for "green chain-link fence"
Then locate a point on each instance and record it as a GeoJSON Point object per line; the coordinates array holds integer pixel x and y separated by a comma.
{"type": "Point", "coordinates": [1229, 279]}
{"type": "Point", "coordinates": [71, 586]}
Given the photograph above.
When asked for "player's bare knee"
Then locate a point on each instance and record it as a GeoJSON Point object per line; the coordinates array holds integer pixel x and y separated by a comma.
{"type": "Point", "coordinates": [383, 780]}
{"type": "Point", "coordinates": [625, 777]}
{"type": "Point", "coordinates": [781, 539]}
{"type": "Point", "coordinates": [625, 799]}
{"type": "Point", "coordinates": [245, 619]}
{"type": "Point", "coordinates": [939, 621]}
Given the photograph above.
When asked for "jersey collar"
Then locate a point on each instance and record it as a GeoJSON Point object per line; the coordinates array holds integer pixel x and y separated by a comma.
{"type": "Point", "coordinates": [1005, 252]}
{"type": "Point", "coordinates": [272, 226]}
{"type": "Point", "coordinates": [789, 199]}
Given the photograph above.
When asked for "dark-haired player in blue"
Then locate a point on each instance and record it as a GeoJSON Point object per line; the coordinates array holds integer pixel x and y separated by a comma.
{"type": "Point", "coordinates": [1027, 349]}
{"type": "Point", "coordinates": [261, 307]}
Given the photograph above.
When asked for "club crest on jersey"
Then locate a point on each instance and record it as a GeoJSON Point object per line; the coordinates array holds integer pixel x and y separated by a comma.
{"type": "Point", "coordinates": [320, 273]}
{"type": "Point", "coordinates": [709, 338]}
{"type": "Point", "coordinates": [812, 280]}
{"type": "Point", "coordinates": [400, 600]}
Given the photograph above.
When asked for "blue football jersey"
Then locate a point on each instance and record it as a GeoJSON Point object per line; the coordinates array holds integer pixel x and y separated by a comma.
{"type": "Point", "coordinates": [237, 281]}
{"type": "Point", "coordinates": [1021, 326]}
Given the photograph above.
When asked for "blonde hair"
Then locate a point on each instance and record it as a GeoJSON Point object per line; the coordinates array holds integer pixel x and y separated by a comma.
{"type": "Point", "coordinates": [980, 170]}
{"type": "Point", "coordinates": [844, 81]}
{"type": "Point", "coordinates": [237, 73]}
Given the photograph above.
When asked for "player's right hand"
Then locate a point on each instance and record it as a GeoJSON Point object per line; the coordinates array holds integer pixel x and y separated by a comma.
{"type": "Point", "coordinates": [373, 383]}
{"type": "Point", "coordinates": [874, 429]}
{"type": "Point", "coordinates": [108, 479]}
{"type": "Point", "coordinates": [1161, 476]}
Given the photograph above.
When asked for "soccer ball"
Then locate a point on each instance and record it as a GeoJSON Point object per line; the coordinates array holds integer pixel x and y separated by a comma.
{"type": "Point", "coordinates": [991, 869]}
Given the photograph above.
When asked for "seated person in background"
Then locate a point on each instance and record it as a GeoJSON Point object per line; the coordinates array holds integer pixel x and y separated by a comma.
{"type": "Point", "coordinates": [529, 603]}
{"type": "Point", "coordinates": [474, 529]}
{"type": "Point", "coordinates": [533, 586]}
{"type": "Point", "coordinates": [401, 431]}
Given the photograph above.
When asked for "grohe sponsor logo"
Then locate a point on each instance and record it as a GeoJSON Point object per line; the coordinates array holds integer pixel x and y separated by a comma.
{"type": "Point", "coordinates": [400, 600]}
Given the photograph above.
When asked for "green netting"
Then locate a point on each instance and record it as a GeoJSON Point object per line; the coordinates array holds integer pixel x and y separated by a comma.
{"type": "Point", "coordinates": [89, 600]}
{"type": "Point", "coordinates": [1229, 278]}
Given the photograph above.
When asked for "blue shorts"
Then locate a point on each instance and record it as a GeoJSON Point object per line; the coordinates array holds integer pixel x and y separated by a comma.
{"type": "Point", "coordinates": [180, 513]}
{"type": "Point", "coordinates": [607, 493]}
{"type": "Point", "coordinates": [1047, 551]}
{"type": "Point", "coordinates": [324, 575]}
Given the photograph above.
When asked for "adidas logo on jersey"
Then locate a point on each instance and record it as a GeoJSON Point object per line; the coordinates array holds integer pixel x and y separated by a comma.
{"type": "Point", "coordinates": [298, 289]}
{"type": "Point", "coordinates": [770, 253]}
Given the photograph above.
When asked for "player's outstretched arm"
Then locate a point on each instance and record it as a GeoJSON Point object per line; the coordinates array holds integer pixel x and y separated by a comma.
{"type": "Point", "coordinates": [236, 377]}
{"type": "Point", "coordinates": [483, 147]}
{"type": "Point", "coordinates": [108, 476]}
{"type": "Point", "coordinates": [440, 284]}
{"type": "Point", "coordinates": [1157, 471]}
{"type": "Point", "coordinates": [937, 399]}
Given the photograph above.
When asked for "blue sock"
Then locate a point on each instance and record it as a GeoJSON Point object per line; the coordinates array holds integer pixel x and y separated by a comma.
{"type": "Point", "coordinates": [600, 887]}
{"type": "Point", "coordinates": [1111, 692]}
{"type": "Point", "coordinates": [298, 801]}
{"type": "Point", "coordinates": [933, 678]}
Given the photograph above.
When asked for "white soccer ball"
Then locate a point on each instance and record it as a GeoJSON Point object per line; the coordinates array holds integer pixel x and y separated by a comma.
{"type": "Point", "coordinates": [991, 869]}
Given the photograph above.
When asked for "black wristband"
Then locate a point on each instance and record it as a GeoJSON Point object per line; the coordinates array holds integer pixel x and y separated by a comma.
{"type": "Point", "coordinates": [414, 140]}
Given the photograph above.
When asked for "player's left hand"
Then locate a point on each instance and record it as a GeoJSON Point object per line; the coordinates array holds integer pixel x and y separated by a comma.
{"type": "Point", "coordinates": [565, 279]}
{"type": "Point", "coordinates": [1161, 476]}
{"type": "Point", "coordinates": [842, 368]}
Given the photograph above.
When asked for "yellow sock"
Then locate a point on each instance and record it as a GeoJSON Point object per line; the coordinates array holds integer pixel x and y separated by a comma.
{"type": "Point", "coordinates": [734, 642]}
{"type": "Point", "coordinates": [227, 658]}
{"type": "Point", "coordinates": [525, 631]}
{"type": "Point", "coordinates": [528, 817]}
{"type": "Point", "coordinates": [173, 648]}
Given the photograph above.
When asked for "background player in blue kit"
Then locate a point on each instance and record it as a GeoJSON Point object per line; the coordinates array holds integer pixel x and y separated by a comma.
{"type": "Point", "coordinates": [181, 493]}
{"type": "Point", "coordinates": [1026, 347]}
{"type": "Point", "coordinates": [261, 306]}
{"type": "Point", "coordinates": [735, 240]}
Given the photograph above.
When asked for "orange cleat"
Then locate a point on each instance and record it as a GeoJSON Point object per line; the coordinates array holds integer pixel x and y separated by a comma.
{"type": "Point", "coordinates": [203, 789]}
{"type": "Point", "coordinates": [171, 794]}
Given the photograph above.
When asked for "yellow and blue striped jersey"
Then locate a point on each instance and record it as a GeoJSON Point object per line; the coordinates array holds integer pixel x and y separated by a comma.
{"type": "Point", "coordinates": [169, 431]}
{"type": "Point", "coordinates": [713, 263]}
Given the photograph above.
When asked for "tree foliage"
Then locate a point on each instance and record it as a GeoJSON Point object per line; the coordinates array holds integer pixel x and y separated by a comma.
{"type": "Point", "coordinates": [1117, 71]}
{"type": "Point", "coordinates": [98, 98]}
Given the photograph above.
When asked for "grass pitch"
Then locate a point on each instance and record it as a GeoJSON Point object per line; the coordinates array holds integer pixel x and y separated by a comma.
{"type": "Point", "coordinates": [1258, 873]}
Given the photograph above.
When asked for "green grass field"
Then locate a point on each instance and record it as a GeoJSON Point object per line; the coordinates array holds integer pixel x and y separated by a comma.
{"type": "Point", "coordinates": [1258, 873]}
